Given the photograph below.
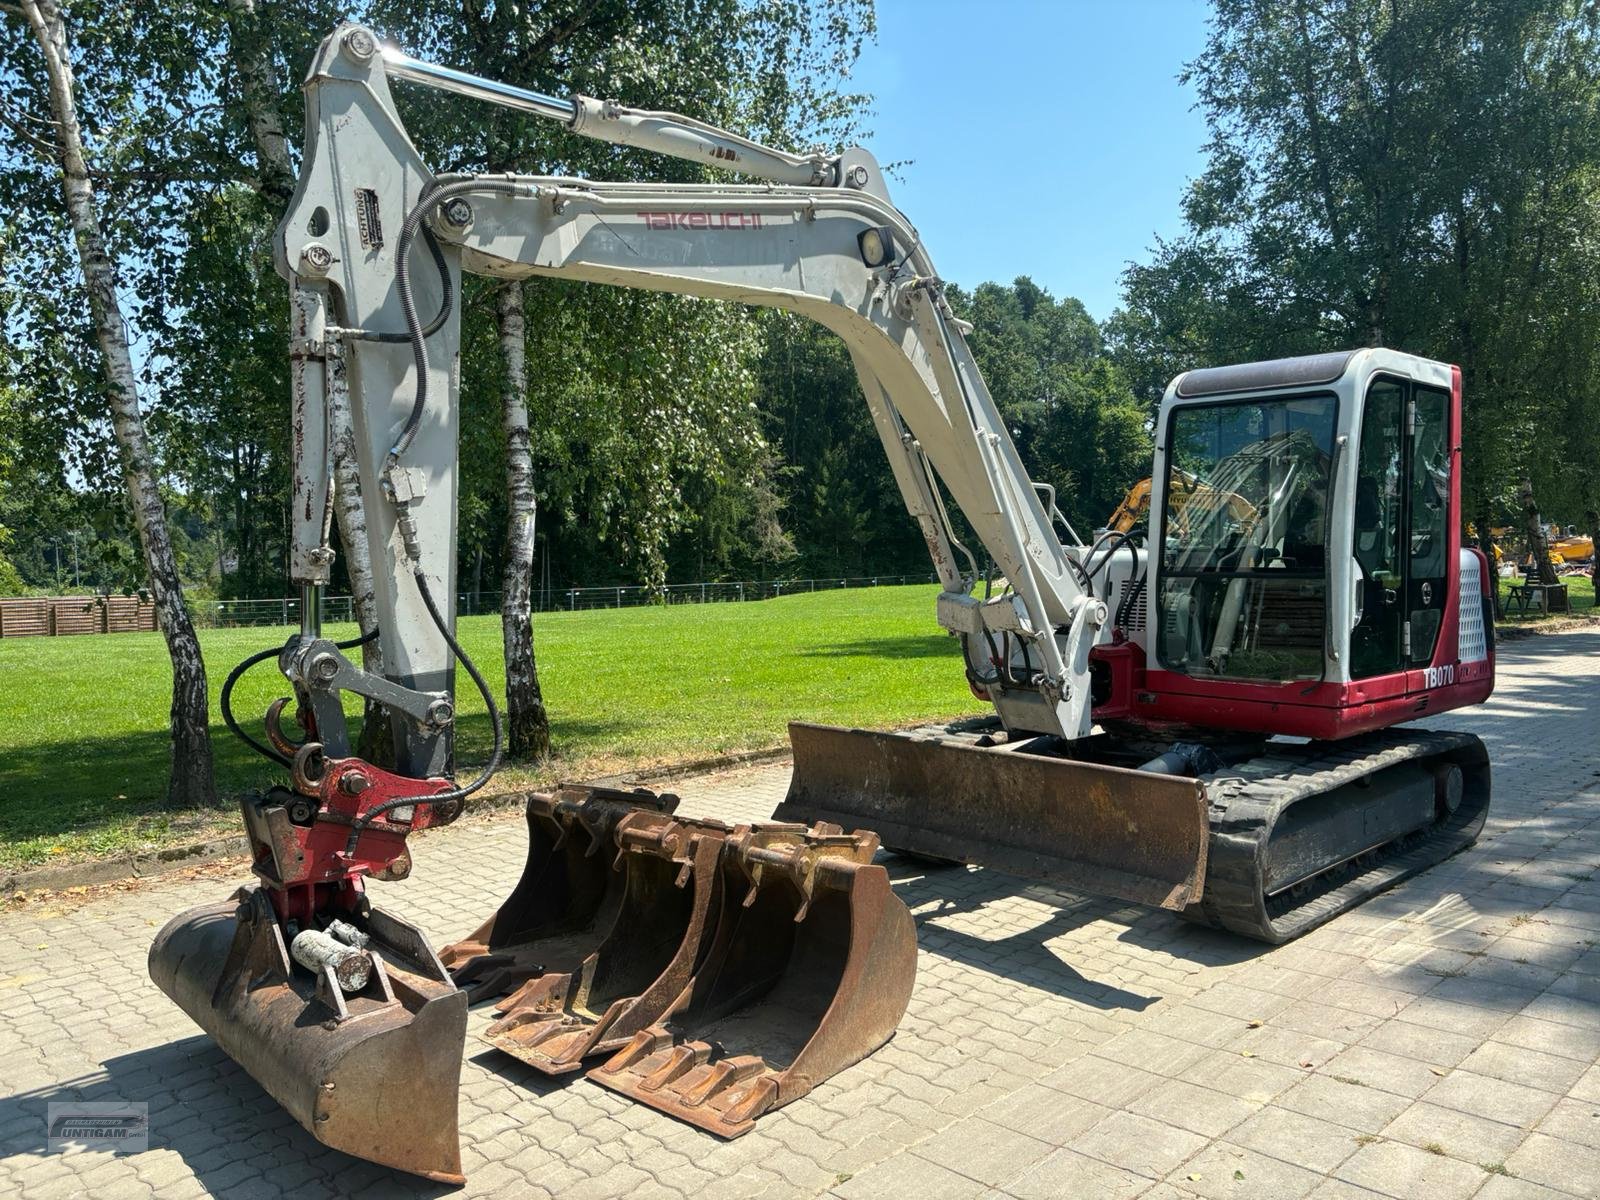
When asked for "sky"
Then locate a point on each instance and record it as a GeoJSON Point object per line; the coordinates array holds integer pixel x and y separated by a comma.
{"type": "Point", "coordinates": [1049, 138]}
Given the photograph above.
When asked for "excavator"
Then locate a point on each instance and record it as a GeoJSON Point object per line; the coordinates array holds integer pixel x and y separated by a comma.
{"type": "Point", "coordinates": [1213, 722]}
{"type": "Point", "coordinates": [1186, 491]}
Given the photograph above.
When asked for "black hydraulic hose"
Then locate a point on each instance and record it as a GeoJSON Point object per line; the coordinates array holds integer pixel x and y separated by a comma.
{"type": "Point", "coordinates": [446, 300]}
{"type": "Point", "coordinates": [402, 277]}
{"type": "Point", "coordinates": [225, 700]}
{"type": "Point", "coordinates": [493, 765]}
{"type": "Point", "coordinates": [1117, 539]}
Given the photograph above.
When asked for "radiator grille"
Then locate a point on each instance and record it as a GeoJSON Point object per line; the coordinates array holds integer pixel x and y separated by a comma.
{"type": "Point", "coordinates": [1471, 643]}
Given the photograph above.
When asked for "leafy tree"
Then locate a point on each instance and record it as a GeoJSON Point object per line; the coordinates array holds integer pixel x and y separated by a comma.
{"type": "Point", "coordinates": [1071, 411]}
{"type": "Point", "coordinates": [52, 84]}
{"type": "Point", "coordinates": [1413, 173]}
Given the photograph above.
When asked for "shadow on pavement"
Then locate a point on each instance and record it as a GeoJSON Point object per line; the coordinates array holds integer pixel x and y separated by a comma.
{"type": "Point", "coordinates": [229, 1132]}
{"type": "Point", "coordinates": [944, 899]}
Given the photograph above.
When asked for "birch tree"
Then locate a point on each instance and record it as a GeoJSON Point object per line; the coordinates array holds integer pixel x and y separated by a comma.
{"type": "Point", "coordinates": [261, 94]}
{"type": "Point", "coordinates": [191, 779]}
{"type": "Point", "coordinates": [527, 722]}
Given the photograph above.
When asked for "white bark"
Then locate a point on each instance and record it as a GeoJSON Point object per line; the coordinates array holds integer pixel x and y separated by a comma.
{"type": "Point", "coordinates": [527, 722]}
{"type": "Point", "coordinates": [191, 780]}
{"type": "Point", "coordinates": [258, 84]}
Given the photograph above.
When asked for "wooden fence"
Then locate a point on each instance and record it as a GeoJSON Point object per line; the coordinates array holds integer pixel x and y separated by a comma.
{"type": "Point", "coordinates": [57, 616]}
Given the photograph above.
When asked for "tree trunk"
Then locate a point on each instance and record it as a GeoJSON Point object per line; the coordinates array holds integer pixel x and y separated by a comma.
{"type": "Point", "coordinates": [1533, 530]}
{"type": "Point", "coordinates": [527, 722]}
{"type": "Point", "coordinates": [191, 781]}
{"type": "Point", "coordinates": [258, 85]}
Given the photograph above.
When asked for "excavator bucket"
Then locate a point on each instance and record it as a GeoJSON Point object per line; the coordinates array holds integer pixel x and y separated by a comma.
{"type": "Point", "coordinates": [1109, 831]}
{"type": "Point", "coordinates": [371, 1070]}
{"type": "Point", "coordinates": [809, 969]}
{"type": "Point", "coordinates": [568, 899]}
{"type": "Point", "coordinates": [654, 937]}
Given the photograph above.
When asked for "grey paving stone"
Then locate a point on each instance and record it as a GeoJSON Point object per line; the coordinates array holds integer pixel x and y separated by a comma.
{"type": "Point", "coordinates": [1396, 1169]}
{"type": "Point", "coordinates": [1101, 1081]}
{"type": "Point", "coordinates": [1138, 1143]}
{"type": "Point", "coordinates": [1552, 1037]}
{"type": "Point", "coordinates": [1427, 1045]}
{"type": "Point", "coordinates": [1467, 1019]}
{"type": "Point", "coordinates": [1555, 1162]}
{"type": "Point", "coordinates": [1044, 1112]}
{"type": "Point", "coordinates": [1364, 1109]}
{"type": "Point", "coordinates": [1338, 1189]}
{"type": "Point", "coordinates": [983, 1151]}
{"type": "Point", "coordinates": [1391, 1072]}
{"type": "Point", "coordinates": [907, 1174]}
{"type": "Point", "coordinates": [1296, 1138]}
{"type": "Point", "coordinates": [1518, 1064]}
{"type": "Point", "coordinates": [1150, 1051]}
{"type": "Point", "coordinates": [1498, 1099]}
{"type": "Point", "coordinates": [1563, 1009]}
{"type": "Point", "coordinates": [1326, 1020]}
{"type": "Point", "coordinates": [1469, 1137]}
{"type": "Point", "coordinates": [1588, 1087]}
{"type": "Point", "coordinates": [1225, 1171]}
{"type": "Point", "coordinates": [1574, 1121]}
{"type": "Point", "coordinates": [1189, 1106]}
{"type": "Point", "coordinates": [1067, 1173]}
{"type": "Point", "coordinates": [1286, 1047]}
{"type": "Point", "coordinates": [1234, 1074]}
{"type": "Point", "coordinates": [1506, 1187]}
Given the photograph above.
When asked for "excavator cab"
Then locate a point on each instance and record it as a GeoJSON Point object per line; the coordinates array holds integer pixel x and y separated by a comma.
{"type": "Point", "coordinates": [1304, 577]}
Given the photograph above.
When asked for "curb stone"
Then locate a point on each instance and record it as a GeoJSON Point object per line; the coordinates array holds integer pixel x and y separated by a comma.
{"type": "Point", "coordinates": [120, 867]}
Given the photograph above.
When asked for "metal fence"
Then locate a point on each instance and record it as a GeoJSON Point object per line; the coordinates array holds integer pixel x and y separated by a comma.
{"type": "Point", "coordinates": [286, 611]}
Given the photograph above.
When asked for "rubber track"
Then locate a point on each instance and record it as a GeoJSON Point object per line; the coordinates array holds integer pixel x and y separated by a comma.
{"type": "Point", "coordinates": [1248, 799]}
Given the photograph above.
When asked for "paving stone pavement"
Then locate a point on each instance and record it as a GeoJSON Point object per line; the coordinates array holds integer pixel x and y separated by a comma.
{"type": "Point", "coordinates": [1440, 1041]}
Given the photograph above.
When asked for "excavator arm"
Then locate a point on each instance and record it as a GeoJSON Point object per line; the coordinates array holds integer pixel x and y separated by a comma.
{"type": "Point", "coordinates": [374, 247]}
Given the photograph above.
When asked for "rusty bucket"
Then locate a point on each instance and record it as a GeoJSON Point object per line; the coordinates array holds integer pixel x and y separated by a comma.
{"type": "Point", "coordinates": [568, 899]}
{"type": "Point", "coordinates": [655, 937]}
{"type": "Point", "coordinates": [1087, 827]}
{"type": "Point", "coordinates": [809, 970]}
{"type": "Point", "coordinates": [370, 1070]}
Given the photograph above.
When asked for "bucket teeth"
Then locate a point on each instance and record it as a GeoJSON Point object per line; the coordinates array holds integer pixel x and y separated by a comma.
{"type": "Point", "coordinates": [808, 969]}
{"type": "Point", "coordinates": [726, 971]}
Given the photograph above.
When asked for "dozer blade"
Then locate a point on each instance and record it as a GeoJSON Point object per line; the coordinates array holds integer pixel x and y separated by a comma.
{"type": "Point", "coordinates": [809, 970]}
{"type": "Point", "coordinates": [1104, 830]}
{"type": "Point", "coordinates": [657, 932]}
{"type": "Point", "coordinates": [567, 900]}
{"type": "Point", "coordinates": [374, 1074]}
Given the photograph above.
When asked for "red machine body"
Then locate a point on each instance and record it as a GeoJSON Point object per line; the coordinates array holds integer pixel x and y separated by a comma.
{"type": "Point", "coordinates": [1134, 688]}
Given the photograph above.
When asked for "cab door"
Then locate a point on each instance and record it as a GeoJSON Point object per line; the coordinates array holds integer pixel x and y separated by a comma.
{"type": "Point", "coordinates": [1402, 525]}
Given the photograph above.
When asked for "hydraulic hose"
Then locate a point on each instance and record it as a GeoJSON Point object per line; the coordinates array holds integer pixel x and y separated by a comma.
{"type": "Point", "coordinates": [225, 700]}
{"type": "Point", "coordinates": [415, 332]}
{"type": "Point", "coordinates": [489, 768]}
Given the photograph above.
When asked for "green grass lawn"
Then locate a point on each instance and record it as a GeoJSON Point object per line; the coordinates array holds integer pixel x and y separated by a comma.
{"type": "Point", "coordinates": [83, 720]}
